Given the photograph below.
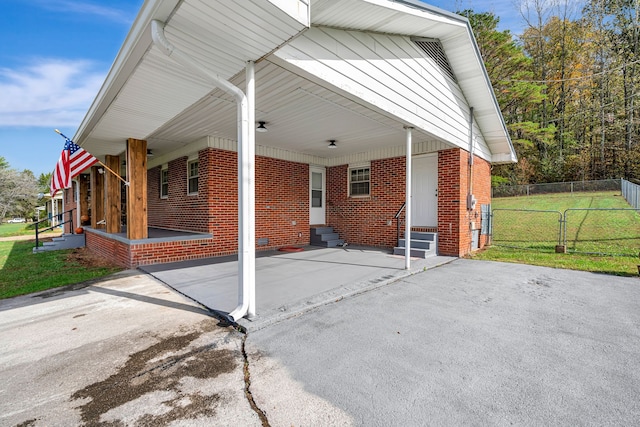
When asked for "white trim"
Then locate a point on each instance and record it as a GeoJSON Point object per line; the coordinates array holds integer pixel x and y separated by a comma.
{"type": "Point", "coordinates": [323, 202]}
{"type": "Point", "coordinates": [193, 148]}
{"type": "Point", "coordinates": [362, 165]}
{"type": "Point", "coordinates": [189, 177]}
{"type": "Point", "coordinates": [164, 168]}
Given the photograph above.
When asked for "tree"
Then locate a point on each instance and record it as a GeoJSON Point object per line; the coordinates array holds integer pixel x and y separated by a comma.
{"type": "Point", "coordinates": [18, 191]}
{"type": "Point", "coordinates": [44, 182]}
{"type": "Point", "coordinates": [510, 72]}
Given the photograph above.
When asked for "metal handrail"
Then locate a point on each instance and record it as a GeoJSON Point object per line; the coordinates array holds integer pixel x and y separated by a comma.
{"type": "Point", "coordinates": [397, 218]}
{"type": "Point", "coordinates": [60, 215]}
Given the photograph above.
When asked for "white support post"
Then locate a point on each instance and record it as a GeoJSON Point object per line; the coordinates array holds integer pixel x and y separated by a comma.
{"type": "Point", "coordinates": [251, 154]}
{"type": "Point", "coordinates": [407, 206]}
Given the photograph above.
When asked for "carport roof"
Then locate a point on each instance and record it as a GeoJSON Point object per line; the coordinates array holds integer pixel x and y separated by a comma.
{"type": "Point", "coordinates": [148, 96]}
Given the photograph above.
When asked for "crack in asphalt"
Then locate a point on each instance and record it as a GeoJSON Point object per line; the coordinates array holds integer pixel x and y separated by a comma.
{"type": "Point", "coordinates": [247, 385]}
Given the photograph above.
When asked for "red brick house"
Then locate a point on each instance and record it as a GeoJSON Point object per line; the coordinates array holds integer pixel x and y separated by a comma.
{"type": "Point", "coordinates": [346, 96]}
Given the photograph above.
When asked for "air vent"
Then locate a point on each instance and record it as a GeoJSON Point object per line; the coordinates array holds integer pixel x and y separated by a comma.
{"type": "Point", "coordinates": [433, 49]}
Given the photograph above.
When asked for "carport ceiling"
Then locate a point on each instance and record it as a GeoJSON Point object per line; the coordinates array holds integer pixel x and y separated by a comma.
{"type": "Point", "coordinates": [300, 116]}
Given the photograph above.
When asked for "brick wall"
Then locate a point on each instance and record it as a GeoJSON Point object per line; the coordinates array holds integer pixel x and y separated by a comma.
{"type": "Point", "coordinates": [282, 202]}
{"type": "Point", "coordinates": [182, 250]}
{"type": "Point", "coordinates": [364, 221]}
{"type": "Point", "coordinates": [107, 248]}
{"type": "Point", "coordinates": [282, 199]}
{"type": "Point", "coordinates": [179, 211]}
{"type": "Point", "coordinates": [454, 220]}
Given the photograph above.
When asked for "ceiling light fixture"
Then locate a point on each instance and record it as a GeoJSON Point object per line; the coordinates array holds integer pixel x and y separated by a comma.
{"type": "Point", "coordinates": [261, 127]}
{"type": "Point", "coordinates": [149, 153]}
{"type": "Point", "coordinates": [332, 144]}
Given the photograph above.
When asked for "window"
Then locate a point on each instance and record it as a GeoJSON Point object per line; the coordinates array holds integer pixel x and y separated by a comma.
{"type": "Point", "coordinates": [164, 183]}
{"type": "Point", "coordinates": [359, 180]}
{"type": "Point", "coordinates": [192, 177]}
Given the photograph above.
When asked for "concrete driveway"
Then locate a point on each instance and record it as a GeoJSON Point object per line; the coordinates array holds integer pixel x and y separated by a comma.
{"type": "Point", "coordinates": [466, 343]}
{"type": "Point", "coordinates": [124, 351]}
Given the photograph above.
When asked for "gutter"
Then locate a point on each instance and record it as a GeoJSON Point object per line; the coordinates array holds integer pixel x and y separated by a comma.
{"type": "Point", "coordinates": [246, 171]}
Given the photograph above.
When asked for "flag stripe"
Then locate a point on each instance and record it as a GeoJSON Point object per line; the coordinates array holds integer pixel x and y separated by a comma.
{"type": "Point", "coordinates": [73, 160]}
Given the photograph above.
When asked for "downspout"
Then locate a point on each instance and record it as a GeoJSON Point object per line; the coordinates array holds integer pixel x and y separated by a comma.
{"type": "Point", "coordinates": [470, 183]}
{"type": "Point", "coordinates": [471, 200]}
{"type": "Point", "coordinates": [77, 196]}
{"type": "Point", "coordinates": [407, 206]}
{"type": "Point", "coordinates": [246, 165]}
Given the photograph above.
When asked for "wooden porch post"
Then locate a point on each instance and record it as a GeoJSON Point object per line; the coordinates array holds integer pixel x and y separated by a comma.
{"type": "Point", "coordinates": [113, 195]}
{"type": "Point", "coordinates": [83, 203]}
{"type": "Point", "coordinates": [137, 189]}
{"type": "Point", "coordinates": [97, 197]}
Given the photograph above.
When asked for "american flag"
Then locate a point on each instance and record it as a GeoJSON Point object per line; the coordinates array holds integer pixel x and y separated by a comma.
{"type": "Point", "coordinates": [73, 160]}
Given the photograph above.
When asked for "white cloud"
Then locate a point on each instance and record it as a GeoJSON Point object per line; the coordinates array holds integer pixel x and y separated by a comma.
{"type": "Point", "coordinates": [87, 8]}
{"type": "Point", "coordinates": [48, 93]}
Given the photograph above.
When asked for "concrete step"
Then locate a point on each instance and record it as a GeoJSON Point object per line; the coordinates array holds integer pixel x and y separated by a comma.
{"type": "Point", "coordinates": [418, 244]}
{"type": "Point", "coordinates": [330, 243]}
{"type": "Point", "coordinates": [321, 230]}
{"type": "Point", "coordinates": [416, 253]}
{"type": "Point", "coordinates": [66, 241]}
{"type": "Point", "coordinates": [424, 235]}
{"type": "Point", "coordinates": [325, 237]}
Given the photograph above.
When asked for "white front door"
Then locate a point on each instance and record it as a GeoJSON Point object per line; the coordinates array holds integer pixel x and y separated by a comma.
{"type": "Point", "coordinates": [424, 191]}
{"type": "Point", "coordinates": [317, 195]}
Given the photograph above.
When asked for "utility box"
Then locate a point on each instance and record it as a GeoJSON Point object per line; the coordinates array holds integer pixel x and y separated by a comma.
{"type": "Point", "coordinates": [475, 239]}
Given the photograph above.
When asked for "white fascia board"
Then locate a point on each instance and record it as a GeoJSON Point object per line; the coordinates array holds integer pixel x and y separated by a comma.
{"type": "Point", "coordinates": [410, 7]}
{"type": "Point", "coordinates": [134, 47]}
{"type": "Point", "coordinates": [503, 158]}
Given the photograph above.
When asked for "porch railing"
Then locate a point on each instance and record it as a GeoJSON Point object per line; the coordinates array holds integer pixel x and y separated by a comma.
{"type": "Point", "coordinates": [61, 222]}
{"type": "Point", "coordinates": [397, 217]}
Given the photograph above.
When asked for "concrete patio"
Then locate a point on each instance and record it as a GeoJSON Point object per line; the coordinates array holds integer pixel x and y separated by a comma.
{"type": "Point", "coordinates": [288, 283]}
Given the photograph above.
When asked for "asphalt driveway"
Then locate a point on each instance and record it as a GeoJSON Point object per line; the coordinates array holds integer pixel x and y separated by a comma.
{"type": "Point", "coordinates": [466, 343]}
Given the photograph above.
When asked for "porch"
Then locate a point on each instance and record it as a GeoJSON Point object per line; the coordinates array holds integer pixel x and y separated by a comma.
{"type": "Point", "coordinates": [161, 245]}
{"type": "Point", "coordinates": [288, 283]}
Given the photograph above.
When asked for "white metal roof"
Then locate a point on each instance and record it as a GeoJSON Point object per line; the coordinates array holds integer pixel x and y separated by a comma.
{"type": "Point", "coordinates": [148, 96]}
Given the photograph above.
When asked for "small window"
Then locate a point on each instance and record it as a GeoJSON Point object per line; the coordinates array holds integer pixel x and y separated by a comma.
{"type": "Point", "coordinates": [192, 173]}
{"type": "Point", "coordinates": [164, 183]}
{"type": "Point", "coordinates": [359, 180]}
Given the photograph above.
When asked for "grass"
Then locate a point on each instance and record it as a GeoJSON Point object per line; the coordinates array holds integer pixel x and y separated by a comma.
{"type": "Point", "coordinates": [615, 265]}
{"type": "Point", "coordinates": [530, 237]}
{"type": "Point", "coordinates": [15, 229]}
{"type": "Point", "coordinates": [23, 272]}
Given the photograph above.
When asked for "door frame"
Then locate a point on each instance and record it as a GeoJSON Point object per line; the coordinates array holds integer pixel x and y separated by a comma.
{"type": "Point", "coordinates": [413, 187]}
{"type": "Point", "coordinates": [318, 216]}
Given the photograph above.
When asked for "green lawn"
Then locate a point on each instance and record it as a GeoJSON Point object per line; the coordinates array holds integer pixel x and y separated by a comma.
{"type": "Point", "coordinates": [592, 236]}
{"type": "Point", "coordinates": [23, 272]}
{"type": "Point", "coordinates": [15, 230]}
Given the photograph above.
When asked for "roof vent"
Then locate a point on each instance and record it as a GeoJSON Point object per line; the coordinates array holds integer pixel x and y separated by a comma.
{"type": "Point", "coordinates": [433, 49]}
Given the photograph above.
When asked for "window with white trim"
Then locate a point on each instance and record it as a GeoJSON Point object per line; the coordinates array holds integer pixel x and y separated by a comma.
{"type": "Point", "coordinates": [164, 183]}
{"type": "Point", "coordinates": [192, 177]}
{"type": "Point", "coordinates": [360, 181]}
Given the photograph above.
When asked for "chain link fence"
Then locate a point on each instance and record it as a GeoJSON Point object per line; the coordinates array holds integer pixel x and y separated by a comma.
{"type": "Point", "coordinates": [557, 187]}
{"type": "Point", "coordinates": [526, 229]}
{"type": "Point", "coordinates": [595, 231]}
{"type": "Point", "coordinates": [631, 193]}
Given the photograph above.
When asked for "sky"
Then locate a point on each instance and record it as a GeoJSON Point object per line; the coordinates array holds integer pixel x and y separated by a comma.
{"type": "Point", "coordinates": [55, 54]}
